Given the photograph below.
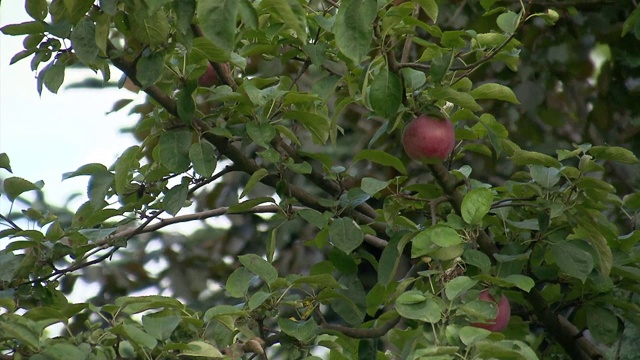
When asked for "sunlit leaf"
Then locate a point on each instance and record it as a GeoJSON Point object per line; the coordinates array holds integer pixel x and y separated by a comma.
{"type": "Point", "coordinates": [14, 186]}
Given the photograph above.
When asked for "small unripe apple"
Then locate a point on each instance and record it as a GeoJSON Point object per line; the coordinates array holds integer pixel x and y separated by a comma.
{"type": "Point", "coordinates": [504, 313]}
{"type": "Point", "coordinates": [429, 139]}
{"type": "Point", "coordinates": [210, 77]}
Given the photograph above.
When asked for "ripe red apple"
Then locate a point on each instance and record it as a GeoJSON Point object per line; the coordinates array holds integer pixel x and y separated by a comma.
{"type": "Point", "coordinates": [429, 139]}
{"type": "Point", "coordinates": [210, 77]}
{"type": "Point", "coordinates": [504, 313]}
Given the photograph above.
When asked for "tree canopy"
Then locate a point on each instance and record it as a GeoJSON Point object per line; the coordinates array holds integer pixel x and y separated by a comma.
{"type": "Point", "coordinates": [274, 129]}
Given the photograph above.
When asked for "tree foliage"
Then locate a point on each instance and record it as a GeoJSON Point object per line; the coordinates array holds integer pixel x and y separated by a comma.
{"type": "Point", "coordinates": [336, 244]}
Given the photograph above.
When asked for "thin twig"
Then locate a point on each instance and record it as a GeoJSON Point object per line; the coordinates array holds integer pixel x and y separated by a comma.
{"type": "Point", "coordinates": [11, 223]}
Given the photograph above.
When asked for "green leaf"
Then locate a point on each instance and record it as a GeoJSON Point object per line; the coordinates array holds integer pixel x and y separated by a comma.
{"type": "Point", "coordinates": [324, 281]}
{"type": "Point", "coordinates": [124, 166]}
{"type": "Point", "coordinates": [83, 40]}
{"type": "Point", "coordinates": [444, 236]}
{"type": "Point", "coordinates": [520, 281]}
{"type": "Point", "coordinates": [353, 28]}
{"type": "Point", "coordinates": [547, 177]}
{"type": "Point", "coordinates": [508, 21]}
{"type": "Point", "coordinates": [203, 48]}
{"type": "Point", "coordinates": [4, 162]}
{"type": "Point", "coordinates": [218, 22]}
{"type": "Point", "coordinates": [283, 130]}
{"type": "Point", "coordinates": [631, 21]}
{"type": "Point", "coordinates": [186, 105]}
{"type": "Point", "coordinates": [173, 150]}
{"type": "Point", "coordinates": [126, 350]}
{"type": "Point", "coordinates": [149, 69]}
{"type": "Point", "coordinates": [476, 205]}
{"type": "Point", "coordinates": [261, 134]}
{"type": "Point", "coordinates": [25, 28]}
{"type": "Point", "coordinates": [587, 230]}
{"type": "Point", "coordinates": [76, 9]}
{"type": "Point", "coordinates": [139, 336]}
{"type": "Point", "coordinates": [37, 9]}
{"type": "Point", "coordinates": [260, 267]}
{"type": "Point", "coordinates": [52, 76]}
{"type": "Point", "coordinates": [257, 299]}
{"type": "Point", "coordinates": [382, 158]}
{"type": "Point", "coordinates": [248, 205]}
{"type": "Point", "coordinates": [222, 310]}
{"type": "Point", "coordinates": [98, 188]}
{"type": "Point", "coordinates": [603, 324]}
{"type": "Point", "coordinates": [316, 124]}
{"type": "Point", "coordinates": [203, 157]}
{"type": "Point", "coordinates": [239, 281]}
{"type": "Point", "coordinates": [494, 91]}
{"type": "Point", "coordinates": [385, 93]}
{"type": "Point", "coordinates": [314, 217]}
{"type": "Point", "coordinates": [248, 14]}
{"type": "Point", "coordinates": [14, 186]}
{"type": "Point", "coordinates": [613, 153]}
{"type": "Point", "coordinates": [160, 325]}
{"type": "Point", "coordinates": [372, 186]}
{"type": "Point", "coordinates": [62, 351]}
{"type": "Point", "coordinates": [345, 234]}
{"type": "Point", "coordinates": [136, 304]}
{"type": "Point", "coordinates": [20, 328]}
{"type": "Point", "coordinates": [9, 265]}
{"type": "Point", "coordinates": [304, 331]}
{"type": "Point", "coordinates": [202, 349]}
{"type": "Point", "coordinates": [152, 30]}
{"type": "Point", "coordinates": [253, 180]}
{"type": "Point", "coordinates": [185, 10]}
{"type": "Point", "coordinates": [103, 22]}
{"type": "Point", "coordinates": [415, 305]}
{"type": "Point", "coordinates": [87, 169]}
{"type": "Point", "coordinates": [462, 99]}
{"type": "Point", "coordinates": [390, 259]}
{"type": "Point", "coordinates": [175, 198]}
{"type": "Point", "coordinates": [524, 157]}
{"type": "Point", "coordinates": [471, 334]}
{"type": "Point", "coordinates": [293, 15]}
{"type": "Point", "coordinates": [458, 286]}
{"type": "Point", "coordinates": [505, 349]}
{"type": "Point", "coordinates": [572, 260]}
{"type": "Point", "coordinates": [478, 259]}
{"type": "Point", "coordinates": [430, 7]}
{"type": "Point", "coordinates": [632, 201]}
{"type": "Point", "coordinates": [96, 235]}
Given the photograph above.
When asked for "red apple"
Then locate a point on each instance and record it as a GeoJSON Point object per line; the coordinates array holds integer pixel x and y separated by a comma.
{"type": "Point", "coordinates": [429, 139]}
{"type": "Point", "coordinates": [504, 313]}
{"type": "Point", "coordinates": [210, 77]}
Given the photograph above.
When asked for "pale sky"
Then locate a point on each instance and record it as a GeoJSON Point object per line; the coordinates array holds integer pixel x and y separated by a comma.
{"type": "Point", "coordinates": [53, 134]}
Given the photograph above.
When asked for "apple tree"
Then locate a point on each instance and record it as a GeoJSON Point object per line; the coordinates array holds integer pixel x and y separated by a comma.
{"type": "Point", "coordinates": [283, 120]}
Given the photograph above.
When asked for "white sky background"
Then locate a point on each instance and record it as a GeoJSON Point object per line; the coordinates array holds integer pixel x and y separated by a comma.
{"type": "Point", "coordinates": [56, 133]}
